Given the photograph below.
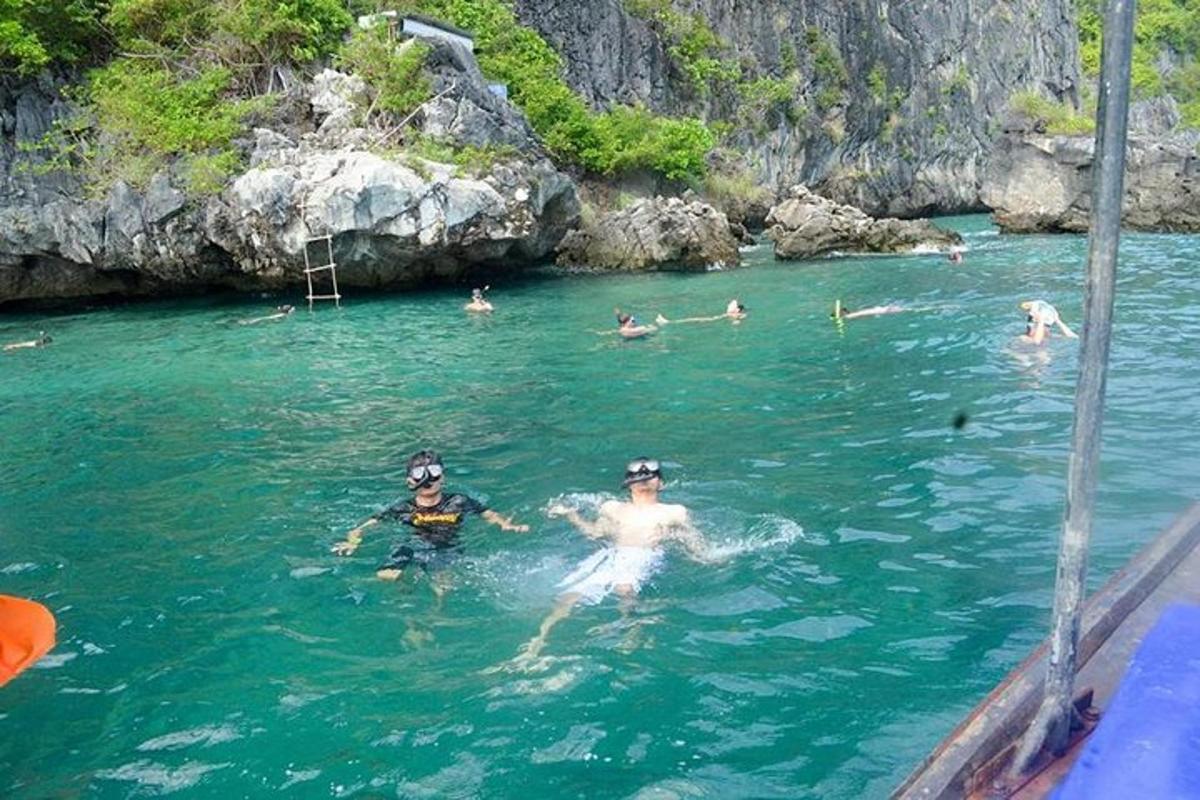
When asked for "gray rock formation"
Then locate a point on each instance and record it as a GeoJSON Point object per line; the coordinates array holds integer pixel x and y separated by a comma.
{"type": "Point", "coordinates": [907, 132]}
{"type": "Point", "coordinates": [394, 221]}
{"type": "Point", "coordinates": [807, 225]}
{"type": "Point", "coordinates": [1043, 184]}
{"type": "Point", "coordinates": [654, 234]}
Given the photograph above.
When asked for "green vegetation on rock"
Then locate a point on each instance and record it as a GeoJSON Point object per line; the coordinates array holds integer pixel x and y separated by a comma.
{"type": "Point", "coordinates": [1059, 118]}
{"type": "Point", "coordinates": [34, 33]}
{"type": "Point", "coordinates": [395, 73]}
{"type": "Point", "coordinates": [1168, 28]}
{"type": "Point", "coordinates": [828, 67]}
{"type": "Point", "coordinates": [691, 41]}
{"type": "Point", "coordinates": [616, 140]}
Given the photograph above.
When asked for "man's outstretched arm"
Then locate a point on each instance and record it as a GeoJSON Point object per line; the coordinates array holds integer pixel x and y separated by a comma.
{"type": "Point", "coordinates": [503, 522]}
{"type": "Point", "coordinates": [353, 539]}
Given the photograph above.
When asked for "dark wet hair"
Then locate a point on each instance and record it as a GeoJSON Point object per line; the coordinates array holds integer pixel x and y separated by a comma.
{"type": "Point", "coordinates": [423, 458]}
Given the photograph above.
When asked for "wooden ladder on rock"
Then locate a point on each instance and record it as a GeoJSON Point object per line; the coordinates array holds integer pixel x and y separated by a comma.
{"type": "Point", "coordinates": [329, 265]}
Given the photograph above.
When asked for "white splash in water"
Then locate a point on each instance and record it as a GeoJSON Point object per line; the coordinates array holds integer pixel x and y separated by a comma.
{"type": "Point", "coordinates": [769, 532]}
{"type": "Point", "coordinates": [206, 735]}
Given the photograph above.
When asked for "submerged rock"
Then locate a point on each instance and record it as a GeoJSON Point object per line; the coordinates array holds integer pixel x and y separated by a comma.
{"type": "Point", "coordinates": [1044, 183]}
{"type": "Point", "coordinates": [806, 225]}
{"type": "Point", "coordinates": [654, 234]}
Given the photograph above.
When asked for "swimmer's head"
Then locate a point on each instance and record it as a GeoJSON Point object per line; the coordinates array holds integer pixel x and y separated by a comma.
{"type": "Point", "coordinates": [43, 338]}
{"type": "Point", "coordinates": [424, 469]}
{"type": "Point", "coordinates": [641, 470]}
{"type": "Point", "coordinates": [477, 294]}
{"type": "Point", "coordinates": [839, 310]}
{"type": "Point", "coordinates": [624, 319]}
{"type": "Point", "coordinates": [285, 309]}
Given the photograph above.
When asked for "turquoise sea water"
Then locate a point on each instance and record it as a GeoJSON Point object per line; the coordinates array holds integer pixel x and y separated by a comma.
{"type": "Point", "coordinates": [170, 484]}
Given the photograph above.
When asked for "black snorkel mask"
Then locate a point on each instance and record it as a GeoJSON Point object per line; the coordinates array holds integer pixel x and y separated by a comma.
{"type": "Point", "coordinates": [642, 469]}
{"type": "Point", "coordinates": [424, 475]}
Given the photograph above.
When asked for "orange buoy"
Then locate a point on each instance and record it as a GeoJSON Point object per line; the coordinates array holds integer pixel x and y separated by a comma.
{"type": "Point", "coordinates": [26, 634]}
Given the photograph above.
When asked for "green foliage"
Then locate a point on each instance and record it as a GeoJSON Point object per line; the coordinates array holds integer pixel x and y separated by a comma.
{"type": "Point", "coordinates": [1059, 118]}
{"type": "Point", "coordinates": [692, 42]}
{"type": "Point", "coordinates": [1161, 25]}
{"type": "Point", "coordinates": [877, 83]}
{"type": "Point", "coordinates": [617, 140]}
{"type": "Point", "coordinates": [735, 190]}
{"type": "Point", "coordinates": [394, 72]}
{"type": "Point", "coordinates": [208, 172]}
{"type": "Point", "coordinates": [960, 83]}
{"type": "Point", "coordinates": [828, 68]}
{"type": "Point", "coordinates": [469, 159]}
{"type": "Point", "coordinates": [34, 33]}
{"type": "Point", "coordinates": [283, 30]}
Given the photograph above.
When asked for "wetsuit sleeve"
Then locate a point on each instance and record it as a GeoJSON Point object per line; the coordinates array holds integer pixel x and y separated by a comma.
{"type": "Point", "coordinates": [469, 505]}
{"type": "Point", "coordinates": [401, 511]}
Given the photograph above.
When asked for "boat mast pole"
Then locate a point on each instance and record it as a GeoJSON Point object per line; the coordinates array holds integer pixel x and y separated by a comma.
{"type": "Point", "coordinates": [1052, 725]}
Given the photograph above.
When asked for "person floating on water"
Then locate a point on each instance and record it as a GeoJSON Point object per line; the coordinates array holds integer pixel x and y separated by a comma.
{"type": "Point", "coordinates": [281, 312]}
{"type": "Point", "coordinates": [434, 516]}
{"type": "Point", "coordinates": [479, 303]}
{"type": "Point", "coordinates": [955, 256]}
{"type": "Point", "coordinates": [734, 310]}
{"type": "Point", "coordinates": [630, 328]}
{"type": "Point", "coordinates": [41, 341]}
{"type": "Point", "coordinates": [636, 532]}
{"type": "Point", "coordinates": [1040, 317]}
{"type": "Point", "coordinates": [841, 312]}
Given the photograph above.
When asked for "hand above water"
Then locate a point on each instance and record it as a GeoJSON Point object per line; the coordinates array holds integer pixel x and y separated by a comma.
{"type": "Point", "coordinates": [344, 548]}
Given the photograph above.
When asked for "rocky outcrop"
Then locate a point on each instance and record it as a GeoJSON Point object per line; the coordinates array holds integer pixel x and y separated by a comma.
{"type": "Point", "coordinates": [394, 221]}
{"type": "Point", "coordinates": [905, 130]}
{"type": "Point", "coordinates": [654, 234]}
{"type": "Point", "coordinates": [1039, 183]}
{"type": "Point", "coordinates": [807, 225]}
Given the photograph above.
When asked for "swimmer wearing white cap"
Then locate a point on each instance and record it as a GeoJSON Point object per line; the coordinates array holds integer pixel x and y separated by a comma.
{"type": "Point", "coordinates": [1040, 317]}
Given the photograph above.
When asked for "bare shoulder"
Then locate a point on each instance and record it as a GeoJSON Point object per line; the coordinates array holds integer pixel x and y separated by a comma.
{"type": "Point", "coordinates": [674, 512]}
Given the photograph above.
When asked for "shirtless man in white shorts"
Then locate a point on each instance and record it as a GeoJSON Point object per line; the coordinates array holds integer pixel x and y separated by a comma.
{"type": "Point", "coordinates": [636, 532]}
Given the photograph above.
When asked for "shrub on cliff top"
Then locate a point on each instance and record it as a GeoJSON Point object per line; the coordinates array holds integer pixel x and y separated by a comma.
{"type": "Point", "coordinates": [395, 73]}
{"type": "Point", "coordinates": [602, 142]}
{"type": "Point", "coordinates": [34, 33]}
{"type": "Point", "coordinates": [1059, 118]}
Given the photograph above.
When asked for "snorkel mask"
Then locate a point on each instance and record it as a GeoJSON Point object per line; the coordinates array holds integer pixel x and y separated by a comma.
{"type": "Point", "coordinates": [424, 469]}
{"type": "Point", "coordinates": [642, 469]}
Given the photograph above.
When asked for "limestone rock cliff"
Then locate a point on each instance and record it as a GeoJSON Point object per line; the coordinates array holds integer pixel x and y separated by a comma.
{"type": "Point", "coordinates": [903, 127]}
{"type": "Point", "coordinates": [666, 233]}
{"type": "Point", "coordinates": [1039, 183]}
{"type": "Point", "coordinates": [807, 225]}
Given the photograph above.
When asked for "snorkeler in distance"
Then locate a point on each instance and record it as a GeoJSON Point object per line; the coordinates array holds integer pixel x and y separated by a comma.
{"type": "Point", "coordinates": [479, 303]}
{"type": "Point", "coordinates": [630, 328]}
{"type": "Point", "coordinates": [841, 312]}
{"type": "Point", "coordinates": [280, 313]}
{"type": "Point", "coordinates": [636, 531]}
{"type": "Point", "coordinates": [41, 341]}
{"type": "Point", "coordinates": [734, 311]}
{"type": "Point", "coordinates": [435, 518]}
{"type": "Point", "coordinates": [1040, 317]}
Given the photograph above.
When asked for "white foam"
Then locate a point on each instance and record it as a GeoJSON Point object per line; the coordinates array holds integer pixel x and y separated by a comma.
{"type": "Point", "coordinates": [159, 776]}
{"type": "Point", "coordinates": [206, 735]}
{"type": "Point", "coordinates": [769, 532]}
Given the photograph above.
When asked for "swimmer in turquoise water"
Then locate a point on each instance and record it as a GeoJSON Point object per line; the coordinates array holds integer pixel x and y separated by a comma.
{"type": "Point", "coordinates": [629, 328]}
{"type": "Point", "coordinates": [841, 312]}
{"type": "Point", "coordinates": [435, 518]}
{"type": "Point", "coordinates": [635, 533]}
{"type": "Point", "coordinates": [734, 310]}
{"type": "Point", "coordinates": [955, 256]}
{"type": "Point", "coordinates": [41, 341]}
{"type": "Point", "coordinates": [1040, 317]}
{"type": "Point", "coordinates": [479, 302]}
{"type": "Point", "coordinates": [281, 312]}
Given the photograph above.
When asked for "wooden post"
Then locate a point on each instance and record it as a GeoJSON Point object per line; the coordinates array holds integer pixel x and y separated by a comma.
{"type": "Point", "coordinates": [1052, 725]}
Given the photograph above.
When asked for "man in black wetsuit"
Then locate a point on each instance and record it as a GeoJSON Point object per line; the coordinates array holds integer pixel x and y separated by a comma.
{"type": "Point", "coordinates": [435, 518]}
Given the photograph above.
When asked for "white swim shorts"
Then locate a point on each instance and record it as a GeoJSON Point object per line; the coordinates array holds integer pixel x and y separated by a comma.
{"type": "Point", "coordinates": [605, 569]}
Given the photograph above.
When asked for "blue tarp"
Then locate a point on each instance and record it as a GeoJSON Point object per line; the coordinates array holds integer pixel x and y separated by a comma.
{"type": "Point", "coordinates": [1147, 746]}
